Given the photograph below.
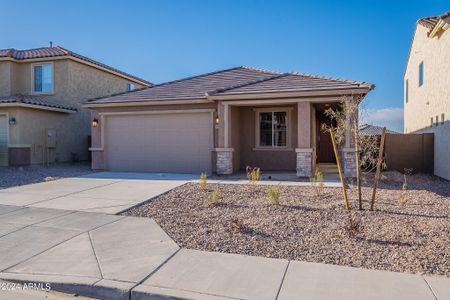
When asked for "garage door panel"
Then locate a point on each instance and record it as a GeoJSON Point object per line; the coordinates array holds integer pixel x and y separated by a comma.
{"type": "Point", "coordinates": [179, 142]}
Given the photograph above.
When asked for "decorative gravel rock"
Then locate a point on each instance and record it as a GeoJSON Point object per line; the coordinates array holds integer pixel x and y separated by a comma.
{"type": "Point", "coordinates": [412, 237]}
{"type": "Point", "coordinates": [14, 176]}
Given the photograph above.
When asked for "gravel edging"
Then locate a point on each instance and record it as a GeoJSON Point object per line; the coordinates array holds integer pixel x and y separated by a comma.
{"type": "Point", "coordinates": [413, 237]}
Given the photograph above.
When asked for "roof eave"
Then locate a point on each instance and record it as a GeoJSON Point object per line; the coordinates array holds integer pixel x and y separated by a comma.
{"type": "Point", "coordinates": [290, 94]}
{"type": "Point", "coordinates": [145, 102]}
{"type": "Point", "coordinates": [40, 107]}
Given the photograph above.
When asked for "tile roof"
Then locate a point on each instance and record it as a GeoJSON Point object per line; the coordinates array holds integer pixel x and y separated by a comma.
{"type": "Point", "coordinates": [370, 130]}
{"type": "Point", "coordinates": [230, 81]}
{"type": "Point", "coordinates": [430, 22]}
{"type": "Point", "coordinates": [56, 52]}
{"type": "Point", "coordinates": [33, 100]}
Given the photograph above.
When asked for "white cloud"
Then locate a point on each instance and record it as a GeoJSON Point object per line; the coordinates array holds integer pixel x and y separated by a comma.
{"type": "Point", "coordinates": [391, 117]}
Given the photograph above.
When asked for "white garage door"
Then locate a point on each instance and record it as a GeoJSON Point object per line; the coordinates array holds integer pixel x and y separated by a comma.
{"type": "Point", "coordinates": [169, 142]}
{"type": "Point", "coordinates": [3, 141]}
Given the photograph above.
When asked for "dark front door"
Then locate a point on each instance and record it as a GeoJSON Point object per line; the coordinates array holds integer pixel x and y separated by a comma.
{"type": "Point", "coordinates": [325, 152]}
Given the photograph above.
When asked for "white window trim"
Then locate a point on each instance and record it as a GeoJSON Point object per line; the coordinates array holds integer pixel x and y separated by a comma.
{"type": "Point", "coordinates": [33, 92]}
{"type": "Point", "coordinates": [287, 110]}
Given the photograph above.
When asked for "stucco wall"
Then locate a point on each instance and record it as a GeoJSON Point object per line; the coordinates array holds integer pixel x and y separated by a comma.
{"type": "Point", "coordinates": [5, 78]}
{"type": "Point", "coordinates": [267, 160]}
{"type": "Point", "coordinates": [433, 97]}
{"type": "Point", "coordinates": [74, 83]}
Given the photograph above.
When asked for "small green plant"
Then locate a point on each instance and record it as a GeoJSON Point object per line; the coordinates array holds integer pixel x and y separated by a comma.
{"type": "Point", "coordinates": [273, 194]}
{"type": "Point", "coordinates": [213, 198]}
{"type": "Point", "coordinates": [253, 174]}
{"type": "Point", "coordinates": [317, 182]}
{"type": "Point", "coordinates": [203, 178]}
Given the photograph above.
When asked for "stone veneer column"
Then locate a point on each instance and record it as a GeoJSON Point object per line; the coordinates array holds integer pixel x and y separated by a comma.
{"type": "Point", "coordinates": [304, 162]}
{"type": "Point", "coordinates": [348, 160]}
{"type": "Point", "coordinates": [224, 161]}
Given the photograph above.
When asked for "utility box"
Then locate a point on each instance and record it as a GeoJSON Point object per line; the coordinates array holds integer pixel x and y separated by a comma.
{"type": "Point", "coordinates": [50, 134]}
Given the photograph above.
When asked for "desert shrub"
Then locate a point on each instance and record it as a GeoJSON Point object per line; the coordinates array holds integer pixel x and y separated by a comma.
{"type": "Point", "coordinates": [273, 194]}
{"type": "Point", "coordinates": [403, 197]}
{"type": "Point", "coordinates": [203, 179]}
{"type": "Point", "coordinates": [317, 182]}
{"type": "Point", "coordinates": [353, 226]}
{"type": "Point", "coordinates": [214, 197]}
{"type": "Point", "coordinates": [237, 226]}
{"type": "Point", "coordinates": [253, 174]}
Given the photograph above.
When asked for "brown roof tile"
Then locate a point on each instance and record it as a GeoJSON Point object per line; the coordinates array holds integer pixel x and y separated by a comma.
{"type": "Point", "coordinates": [230, 81]}
{"type": "Point", "coordinates": [430, 22]}
{"type": "Point", "coordinates": [56, 52]}
{"type": "Point", "coordinates": [34, 100]}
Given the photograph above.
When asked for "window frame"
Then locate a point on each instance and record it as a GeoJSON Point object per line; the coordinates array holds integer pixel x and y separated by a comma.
{"type": "Point", "coordinates": [421, 74]}
{"type": "Point", "coordinates": [273, 110]}
{"type": "Point", "coordinates": [52, 91]}
{"type": "Point", "coordinates": [131, 85]}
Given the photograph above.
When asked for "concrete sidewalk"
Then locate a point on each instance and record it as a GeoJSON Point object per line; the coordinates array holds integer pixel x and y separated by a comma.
{"type": "Point", "coordinates": [115, 257]}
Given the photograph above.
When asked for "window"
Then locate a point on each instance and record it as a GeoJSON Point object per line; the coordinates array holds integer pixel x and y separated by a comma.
{"type": "Point", "coordinates": [442, 118]}
{"type": "Point", "coordinates": [421, 74]}
{"type": "Point", "coordinates": [43, 78]}
{"type": "Point", "coordinates": [437, 120]}
{"type": "Point", "coordinates": [129, 87]}
{"type": "Point", "coordinates": [406, 91]}
{"type": "Point", "coordinates": [431, 123]}
{"type": "Point", "coordinates": [272, 129]}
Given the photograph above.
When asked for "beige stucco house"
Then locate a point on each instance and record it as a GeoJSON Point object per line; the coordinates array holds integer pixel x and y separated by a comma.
{"type": "Point", "coordinates": [222, 122]}
{"type": "Point", "coordinates": [427, 87]}
{"type": "Point", "coordinates": [41, 91]}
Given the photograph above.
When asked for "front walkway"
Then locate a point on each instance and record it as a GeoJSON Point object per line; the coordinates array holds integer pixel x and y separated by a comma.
{"type": "Point", "coordinates": [115, 257]}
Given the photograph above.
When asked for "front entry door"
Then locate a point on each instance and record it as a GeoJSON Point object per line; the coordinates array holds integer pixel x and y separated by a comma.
{"type": "Point", "coordinates": [325, 153]}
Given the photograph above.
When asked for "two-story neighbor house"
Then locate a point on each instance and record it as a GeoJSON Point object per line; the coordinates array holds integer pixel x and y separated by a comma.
{"type": "Point", "coordinates": [41, 91]}
{"type": "Point", "coordinates": [427, 87]}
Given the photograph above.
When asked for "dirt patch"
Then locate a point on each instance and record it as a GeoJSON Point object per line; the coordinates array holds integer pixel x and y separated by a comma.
{"type": "Point", "coordinates": [412, 237]}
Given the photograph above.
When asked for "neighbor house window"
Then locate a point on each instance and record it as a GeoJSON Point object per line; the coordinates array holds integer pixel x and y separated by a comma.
{"type": "Point", "coordinates": [272, 129]}
{"type": "Point", "coordinates": [431, 123]}
{"type": "Point", "coordinates": [421, 74]}
{"type": "Point", "coordinates": [129, 87]}
{"type": "Point", "coordinates": [442, 118]}
{"type": "Point", "coordinates": [406, 91]}
{"type": "Point", "coordinates": [437, 120]}
{"type": "Point", "coordinates": [43, 78]}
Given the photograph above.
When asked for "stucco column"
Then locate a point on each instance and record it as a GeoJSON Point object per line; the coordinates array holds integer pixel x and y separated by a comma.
{"type": "Point", "coordinates": [224, 154]}
{"type": "Point", "coordinates": [304, 149]}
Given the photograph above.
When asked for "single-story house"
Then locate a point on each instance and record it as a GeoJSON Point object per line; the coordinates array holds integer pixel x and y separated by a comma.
{"type": "Point", "coordinates": [222, 122]}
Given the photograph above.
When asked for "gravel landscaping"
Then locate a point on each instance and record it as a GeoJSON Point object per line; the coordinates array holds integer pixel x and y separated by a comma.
{"type": "Point", "coordinates": [15, 176]}
{"type": "Point", "coordinates": [408, 231]}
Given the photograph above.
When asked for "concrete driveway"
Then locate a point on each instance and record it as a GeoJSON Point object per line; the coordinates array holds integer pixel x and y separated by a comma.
{"type": "Point", "coordinates": [104, 192]}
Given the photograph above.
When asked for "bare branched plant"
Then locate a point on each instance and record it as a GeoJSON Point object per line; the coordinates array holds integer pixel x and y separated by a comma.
{"type": "Point", "coordinates": [317, 182]}
{"type": "Point", "coordinates": [346, 132]}
{"type": "Point", "coordinates": [354, 225]}
{"type": "Point", "coordinates": [203, 180]}
{"type": "Point", "coordinates": [273, 195]}
{"type": "Point", "coordinates": [237, 226]}
{"type": "Point", "coordinates": [403, 197]}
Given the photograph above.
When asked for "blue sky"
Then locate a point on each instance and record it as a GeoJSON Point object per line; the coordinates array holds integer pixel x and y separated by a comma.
{"type": "Point", "coordinates": [167, 40]}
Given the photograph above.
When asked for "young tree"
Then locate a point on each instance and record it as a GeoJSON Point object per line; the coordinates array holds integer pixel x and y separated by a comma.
{"type": "Point", "coordinates": [367, 148]}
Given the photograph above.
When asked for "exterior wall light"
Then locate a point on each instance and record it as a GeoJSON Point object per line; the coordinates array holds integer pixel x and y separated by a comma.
{"type": "Point", "coordinates": [94, 122]}
{"type": "Point", "coordinates": [217, 120]}
{"type": "Point", "coordinates": [12, 121]}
